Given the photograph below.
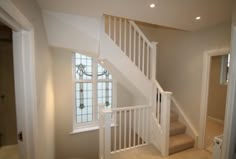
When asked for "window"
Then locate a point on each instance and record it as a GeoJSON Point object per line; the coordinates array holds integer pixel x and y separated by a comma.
{"type": "Point", "coordinates": [93, 86]}
{"type": "Point", "coordinates": [225, 63]}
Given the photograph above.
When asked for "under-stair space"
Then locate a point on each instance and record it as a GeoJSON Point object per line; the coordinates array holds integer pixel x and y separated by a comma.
{"type": "Point", "coordinates": [179, 140]}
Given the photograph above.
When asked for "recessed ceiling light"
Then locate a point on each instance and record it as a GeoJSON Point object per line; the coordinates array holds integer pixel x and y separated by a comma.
{"type": "Point", "coordinates": [198, 18]}
{"type": "Point", "coordinates": [102, 62]}
{"type": "Point", "coordinates": [152, 5]}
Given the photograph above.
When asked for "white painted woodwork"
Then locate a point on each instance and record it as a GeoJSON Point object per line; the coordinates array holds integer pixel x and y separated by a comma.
{"type": "Point", "coordinates": [125, 129]}
{"type": "Point", "coordinates": [137, 125]}
{"type": "Point", "coordinates": [101, 132]}
{"type": "Point", "coordinates": [24, 74]}
{"type": "Point", "coordinates": [111, 52]}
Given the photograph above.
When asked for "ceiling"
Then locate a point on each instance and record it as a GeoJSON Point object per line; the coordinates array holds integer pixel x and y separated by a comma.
{"type": "Point", "coordinates": [179, 14]}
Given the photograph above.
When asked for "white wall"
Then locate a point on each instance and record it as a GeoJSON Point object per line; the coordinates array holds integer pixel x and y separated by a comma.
{"type": "Point", "coordinates": [85, 144]}
{"type": "Point", "coordinates": [45, 97]}
{"type": "Point", "coordinates": [73, 31]}
{"type": "Point", "coordinates": [179, 62]}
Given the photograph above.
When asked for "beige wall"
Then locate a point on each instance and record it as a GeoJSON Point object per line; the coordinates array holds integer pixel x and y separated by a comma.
{"type": "Point", "coordinates": [217, 92]}
{"type": "Point", "coordinates": [8, 132]}
{"type": "Point", "coordinates": [85, 144]}
{"type": "Point", "coordinates": [45, 101]}
{"type": "Point", "coordinates": [180, 60]}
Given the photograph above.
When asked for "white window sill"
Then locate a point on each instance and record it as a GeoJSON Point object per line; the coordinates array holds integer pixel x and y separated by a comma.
{"type": "Point", "coordinates": [86, 129]}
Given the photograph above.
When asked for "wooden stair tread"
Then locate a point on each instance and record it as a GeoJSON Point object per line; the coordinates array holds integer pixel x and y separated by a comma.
{"type": "Point", "coordinates": [177, 128]}
{"type": "Point", "coordinates": [173, 116]}
{"type": "Point", "coordinates": [180, 142]}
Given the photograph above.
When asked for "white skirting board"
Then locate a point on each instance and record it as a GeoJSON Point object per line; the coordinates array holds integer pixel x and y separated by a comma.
{"type": "Point", "coordinates": [219, 121]}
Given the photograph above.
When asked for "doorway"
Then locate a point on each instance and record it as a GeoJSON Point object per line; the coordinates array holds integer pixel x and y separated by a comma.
{"type": "Point", "coordinates": [8, 123]}
{"type": "Point", "coordinates": [207, 57]}
{"type": "Point", "coordinates": [217, 93]}
{"type": "Point", "coordinates": [24, 78]}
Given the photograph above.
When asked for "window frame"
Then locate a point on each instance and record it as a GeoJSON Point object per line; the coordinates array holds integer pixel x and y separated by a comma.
{"type": "Point", "coordinates": [94, 125]}
{"type": "Point", "coordinates": [224, 69]}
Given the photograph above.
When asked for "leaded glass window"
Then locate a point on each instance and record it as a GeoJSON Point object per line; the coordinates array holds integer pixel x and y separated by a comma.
{"type": "Point", "coordinates": [93, 86]}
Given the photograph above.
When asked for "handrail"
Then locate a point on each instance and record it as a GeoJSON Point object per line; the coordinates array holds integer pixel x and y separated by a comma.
{"type": "Point", "coordinates": [158, 86]}
{"type": "Point", "coordinates": [130, 108]}
{"type": "Point", "coordinates": [140, 32]}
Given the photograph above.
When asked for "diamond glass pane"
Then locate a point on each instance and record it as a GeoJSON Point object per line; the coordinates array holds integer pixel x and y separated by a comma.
{"type": "Point", "coordinates": [83, 67]}
{"type": "Point", "coordinates": [84, 106]}
{"type": "Point", "coordinates": [102, 73]}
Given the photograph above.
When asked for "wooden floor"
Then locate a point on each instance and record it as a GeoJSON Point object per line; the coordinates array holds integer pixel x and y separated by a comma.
{"type": "Point", "coordinates": [9, 152]}
{"type": "Point", "coordinates": [149, 152]}
{"type": "Point", "coordinates": [213, 129]}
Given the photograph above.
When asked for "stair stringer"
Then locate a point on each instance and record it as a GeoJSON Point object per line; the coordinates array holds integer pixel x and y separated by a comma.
{"type": "Point", "coordinates": [156, 134]}
{"type": "Point", "coordinates": [183, 118]}
{"type": "Point", "coordinates": [112, 53]}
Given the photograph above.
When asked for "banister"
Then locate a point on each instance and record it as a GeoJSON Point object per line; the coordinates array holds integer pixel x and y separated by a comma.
{"type": "Point", "coordinates": [140, 32]}
{"type": "Point", "coordinates": [158, 86]}
{"type": "Point", "coordinates": [131, 107]}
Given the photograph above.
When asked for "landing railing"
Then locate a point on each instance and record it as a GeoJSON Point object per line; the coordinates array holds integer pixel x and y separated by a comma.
{"type": "Point", "coordinates": [123, 128]}
{"type": "Point", "coordinates": [131, 40]}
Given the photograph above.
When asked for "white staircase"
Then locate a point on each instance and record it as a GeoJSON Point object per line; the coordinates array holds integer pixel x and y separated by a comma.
{"type": "Point", "coordinates": [126, 48]}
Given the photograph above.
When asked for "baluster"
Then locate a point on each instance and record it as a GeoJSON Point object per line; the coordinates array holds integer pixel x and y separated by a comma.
{"type": "Point", "coordinates": [134, 51]}
{"type": "Point", "coordinates": [147, 125]}
{"type": "Point", "coordinates": [134, 129]}
{"type": "Point", "coordinates": [120, 33]}
{"type": "Point", "coordinates": [148, 56]}
{"type": "Point", "coordinates": [143, 126]}
{"type": "Point", "coordinates": [139, 52]}
{"type": "Point", "coordinates": [143, 59]}
{"type": "Point", "coordinates": [120, 131]}
{"type": "Point", "coordinates": [125, 129]}
{"type": "Point", "coordinates": [109, 26]}
{"type": "Point", "coordinates": [139, 121]}
{"type": "Point", "coordinates": [130, 115]}
{"type": "Point", "coordinates": [115, 29]}
{"type": "Point", "coordinates": [125, 32]}
{"type": "Point", "coordinates": [130, 44]}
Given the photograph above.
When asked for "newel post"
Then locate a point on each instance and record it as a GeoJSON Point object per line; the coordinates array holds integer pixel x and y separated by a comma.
{"type": "Point", "coordinates": [105, 133]}
{"type": "Point", "coordinates": [101, 132]}
{"type": "Point", "coordinates": [153, 60]}
{"type": "Point", "coordinates": [153, 75]}
{"type": "Point", "coordinates": [165, 121]}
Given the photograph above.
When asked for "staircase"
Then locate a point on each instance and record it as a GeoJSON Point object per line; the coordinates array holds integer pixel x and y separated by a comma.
{"type": "Point", "coordinates": [128, 52]}
{"type": "Point", "coordinates": [179, 140]}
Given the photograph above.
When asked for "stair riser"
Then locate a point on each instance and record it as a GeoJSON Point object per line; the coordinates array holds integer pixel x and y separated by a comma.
{"type": "Point", "coordinates": [177, 132]}
{"type": "Point", "coordinates": [174, 118]}
{"type": "Point", "coordinates": [181, 148]}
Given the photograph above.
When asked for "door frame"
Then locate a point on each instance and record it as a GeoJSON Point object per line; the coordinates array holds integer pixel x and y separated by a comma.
{"type": "Point", "coordinates": [24, 76]}
{"type": "Point", "coordinates": [229, 138]}
{"type": "Point", "coordinates": [205, 90]}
